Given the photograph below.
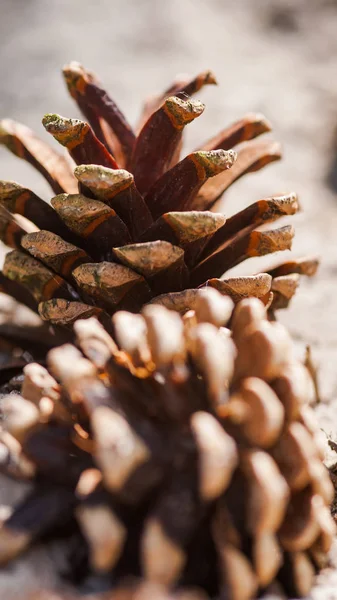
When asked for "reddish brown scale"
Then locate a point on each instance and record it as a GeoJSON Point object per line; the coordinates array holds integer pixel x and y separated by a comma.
{"type": "Point", "coordinates": [256, 243]}
{"type": "Point", "coordinates": [109, 284]}
{"type": "Point", "coordinates": [17, 199]}
{"type": "Point", "coordinates": [184, 228]}
{"type": "Point", "coordinates": [251, 157]}
{"type": "Point", "coordinates": [79, 139]}
{"type": "Point", "coordinates": [95, 123]}
{"type": "Point", "coordinates": [41, 282]}
{"type": "Point", "coordinates": [117, 189]}
{"type": "Point", "coordinates": [258, 213]}
{"type": "Point", "coordinates": [159, 139]}
{"type": "Point", "coordinates": [177, 188]}
{"type": "Point", "coordinates": [303, 266]}
{"type": "Point", "coordinates": [161, 263]}
{"type": "Point", "coordinates": [74, 76]}
{"type": "Point", "coordinates": [283, 287]}
{"type": "Point", "coordinates": [183, 87]}
{"type": "Point", "coordinates": [247, 128]}
{"type": "Point", "coordinates": [190, 230]}
{"type": "Point", "coordinates": [94, 222]}
{"type": "Point", "coordinates": [23, 142]}
{"type": "Point", "coordinates": [175, 278]}
{"type": "Point", "coordinates": [193, 86]}
{"type": "Point", "coordinates": [11, 232]}
{"type": "Point", "coordinates": [54, 252]}
{"type": "Point", "coordinates": [96, 104]}
{"type": "Point", "coordinates": [249, 286]}
{"type": "Point", "coordinates": [65, 313]}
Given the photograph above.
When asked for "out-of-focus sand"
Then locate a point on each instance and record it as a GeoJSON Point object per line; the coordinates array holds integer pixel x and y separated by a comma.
{"type": "Point", "coordinates": [272, 56]}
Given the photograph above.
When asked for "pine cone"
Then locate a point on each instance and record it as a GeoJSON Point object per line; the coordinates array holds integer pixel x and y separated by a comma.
{"type": "Point", "coordinates": [184, 452]}
{"type": "Point", "coordinates": [133, 223]}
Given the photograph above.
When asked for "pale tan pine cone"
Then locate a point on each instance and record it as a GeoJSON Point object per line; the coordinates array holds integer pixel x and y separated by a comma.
{"type": "Point", "coordinates": [183, 452]}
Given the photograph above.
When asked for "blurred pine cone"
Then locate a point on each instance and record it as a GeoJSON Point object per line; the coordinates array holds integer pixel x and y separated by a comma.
{"type": "Point", "coordinates": [140, 227]}
{"type": "Point", "coordinates": [183, 452]}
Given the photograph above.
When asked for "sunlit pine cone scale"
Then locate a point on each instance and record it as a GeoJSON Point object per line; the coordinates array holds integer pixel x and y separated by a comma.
{"type": "Point", "coordinates": [182, 453]}
{"type": "Point", "coordinates": [133, 223]}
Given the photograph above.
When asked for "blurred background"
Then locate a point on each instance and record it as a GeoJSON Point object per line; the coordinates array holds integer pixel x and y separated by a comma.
{"type": "Point", "coordinates": [278, 57]}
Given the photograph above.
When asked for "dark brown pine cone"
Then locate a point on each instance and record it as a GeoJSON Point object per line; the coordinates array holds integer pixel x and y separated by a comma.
{"type": "Point", "coordinates": [182, 453]}
{"type": "Point", "coordinates": [133, 223]}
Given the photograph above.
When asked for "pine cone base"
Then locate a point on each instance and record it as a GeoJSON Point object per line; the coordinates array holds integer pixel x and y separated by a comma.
{"type": "Point", "coordinates": [181, 452]}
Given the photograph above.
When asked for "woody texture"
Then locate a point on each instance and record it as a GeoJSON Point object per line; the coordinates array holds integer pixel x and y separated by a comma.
{"type": "Point", "coordinates": [163, 417]}
{"type": "Point", "coordinates": [183, 453]}
{"type": "Point", "coordinates": [134, 223]}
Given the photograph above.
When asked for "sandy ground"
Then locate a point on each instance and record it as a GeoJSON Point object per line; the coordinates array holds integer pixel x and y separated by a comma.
{"type": "Point", "coordinates": [272, 56]}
